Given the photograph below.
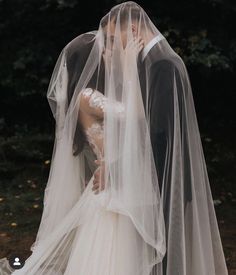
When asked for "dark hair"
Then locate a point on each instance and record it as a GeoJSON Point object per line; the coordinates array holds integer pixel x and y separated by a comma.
{"type": "Point", "coordinates": [96, 82]}
{"type": "Point", "coordinates": [79, 139]}
{"type": "Point", "coordinates": [77, 55]}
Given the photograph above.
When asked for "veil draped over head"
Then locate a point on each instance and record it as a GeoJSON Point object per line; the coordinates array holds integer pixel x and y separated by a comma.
{"type": "Point", "coordinates": [151, 145]}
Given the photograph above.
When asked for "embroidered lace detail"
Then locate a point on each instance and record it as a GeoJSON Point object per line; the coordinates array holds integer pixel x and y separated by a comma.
{"type": "Point", "coordinates": [95, 132]}
{"type": "Point", "coordinates": [96, 129]}
{"type": "Point", "coordinates": [87, 92]}
{"type": "Point", "coordinates": [96, 98]}
{"type": "Point", "coordinates": [92, 132]}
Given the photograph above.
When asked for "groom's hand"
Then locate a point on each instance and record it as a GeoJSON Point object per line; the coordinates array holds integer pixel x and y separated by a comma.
{"type": "Point", "coordinates": [98, 182]}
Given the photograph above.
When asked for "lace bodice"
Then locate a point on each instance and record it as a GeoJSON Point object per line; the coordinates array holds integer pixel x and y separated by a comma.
{"type": "Point", "coordinates": [94, 135]}
{"type": "Point", "coordinates": [94, 132]}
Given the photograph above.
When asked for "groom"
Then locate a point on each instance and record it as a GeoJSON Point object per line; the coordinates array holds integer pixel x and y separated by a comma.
{"type": "Point", "coordinates": [160, 78]}
{"type": "Point", "coordinates": [156, 79]}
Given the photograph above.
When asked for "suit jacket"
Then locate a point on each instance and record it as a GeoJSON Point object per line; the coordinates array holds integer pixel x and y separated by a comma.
{"type": "Point", "coordinates": [156, 77]}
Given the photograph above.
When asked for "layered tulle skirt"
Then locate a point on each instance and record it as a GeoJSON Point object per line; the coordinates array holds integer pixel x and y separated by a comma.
{"type": "Point", "coordinates": [91, 241]}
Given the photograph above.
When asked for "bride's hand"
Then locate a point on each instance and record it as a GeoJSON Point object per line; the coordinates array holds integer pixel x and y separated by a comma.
{"type": "Point", "coordinates": [98, 182]}
{"type": "Point", "coordinates": [134, 46]}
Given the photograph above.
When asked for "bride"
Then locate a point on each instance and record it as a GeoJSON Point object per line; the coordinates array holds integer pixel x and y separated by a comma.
{"type": "Point", "coordinates": [121, 97]}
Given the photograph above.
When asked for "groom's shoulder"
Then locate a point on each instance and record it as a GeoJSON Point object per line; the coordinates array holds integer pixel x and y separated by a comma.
{"type": "Point", "coordinates": [167, 66]}
{"type": "Point", "coordinates": [163, 64]}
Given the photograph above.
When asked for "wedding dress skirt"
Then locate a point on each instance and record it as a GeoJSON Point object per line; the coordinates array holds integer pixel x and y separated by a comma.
{"type": "Point", "coordinates": [90, 241]}
{"type": "Point", "coordinates": [104, 244]}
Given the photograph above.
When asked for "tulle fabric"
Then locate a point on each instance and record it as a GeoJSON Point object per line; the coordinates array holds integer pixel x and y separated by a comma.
{"type": "Point", "coordinates": [130, 174]}
{"type": "Point", "coordinates": [90, 240]}
{"type": "Point", "coordinates": [157, 203]}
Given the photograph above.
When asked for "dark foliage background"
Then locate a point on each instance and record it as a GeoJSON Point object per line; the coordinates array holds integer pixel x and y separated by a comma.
{"type": "Point", "coordinates": [32, 35]}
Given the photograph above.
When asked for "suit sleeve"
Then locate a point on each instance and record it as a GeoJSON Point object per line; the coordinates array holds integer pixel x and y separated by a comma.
{"type": "Point", "coordinates": [164, 78]}
{"type": "Point", "coordinates": [161, 111]}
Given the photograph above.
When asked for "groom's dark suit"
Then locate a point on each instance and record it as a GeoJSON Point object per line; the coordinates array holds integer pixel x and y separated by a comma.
{"type": "Point", "coordinates": [157, 77]}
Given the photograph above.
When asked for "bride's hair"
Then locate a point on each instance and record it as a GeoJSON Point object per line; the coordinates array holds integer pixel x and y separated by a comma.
{"type": "Point", "coordinates": [80, 138]}
{"type": "Point", "coordinates": [96, 82]}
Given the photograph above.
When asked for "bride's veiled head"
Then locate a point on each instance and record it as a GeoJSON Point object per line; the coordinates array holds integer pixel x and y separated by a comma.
{"type": "Point", "coordinates": [78, 52]}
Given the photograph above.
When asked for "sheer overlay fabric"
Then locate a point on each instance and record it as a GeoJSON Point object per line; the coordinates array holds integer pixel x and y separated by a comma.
{"type": "Point", "coordinates": [156, 214]}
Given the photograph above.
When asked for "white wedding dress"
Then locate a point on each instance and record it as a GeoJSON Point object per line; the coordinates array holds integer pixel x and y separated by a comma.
{"type": "Point", "coordinates": [106, 243]}
{"type": "Point", "coordinates": [99, 247]}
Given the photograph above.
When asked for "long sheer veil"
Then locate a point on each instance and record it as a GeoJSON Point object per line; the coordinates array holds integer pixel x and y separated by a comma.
{"type": "Point", "coordinates": [153, 146]}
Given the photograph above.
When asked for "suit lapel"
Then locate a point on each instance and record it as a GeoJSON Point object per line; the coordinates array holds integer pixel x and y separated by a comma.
{"type": "Point", "coordinates": [142, 78]}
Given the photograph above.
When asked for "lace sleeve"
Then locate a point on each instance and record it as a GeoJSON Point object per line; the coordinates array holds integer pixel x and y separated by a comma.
{"type": "Point", "coordinates": [98, 103]}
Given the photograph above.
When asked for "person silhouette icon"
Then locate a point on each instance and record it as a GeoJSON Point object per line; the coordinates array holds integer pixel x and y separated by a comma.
{"type": "Point", "coordinates": [17, 262]}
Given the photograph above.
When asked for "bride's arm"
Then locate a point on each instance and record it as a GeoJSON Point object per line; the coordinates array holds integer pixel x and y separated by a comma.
{"type": "Point", "coordinates": [92, 102]}
{"type": "Point", "coordinates": [95, 104]}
